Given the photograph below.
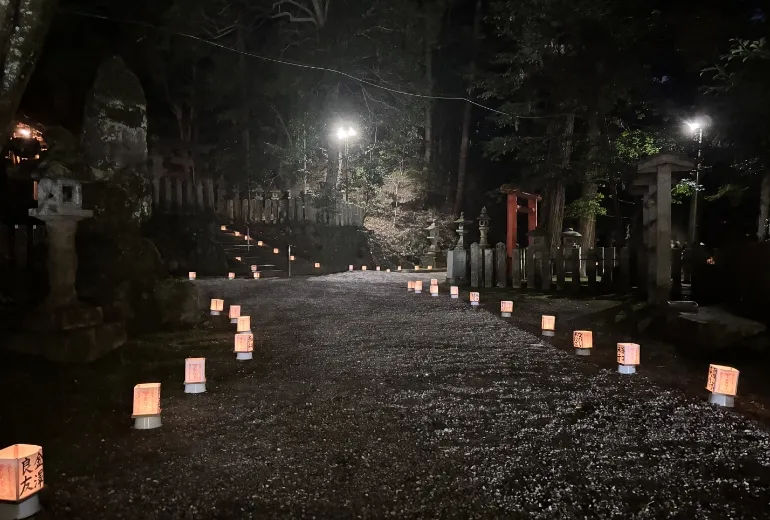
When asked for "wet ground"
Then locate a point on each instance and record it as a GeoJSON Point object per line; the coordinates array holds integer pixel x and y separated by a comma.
{"type": "Point", "coordinates": [364, 400]}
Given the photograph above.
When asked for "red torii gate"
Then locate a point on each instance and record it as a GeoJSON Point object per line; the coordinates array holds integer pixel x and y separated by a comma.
{"type": "Point", "coordinates": [514, 194]}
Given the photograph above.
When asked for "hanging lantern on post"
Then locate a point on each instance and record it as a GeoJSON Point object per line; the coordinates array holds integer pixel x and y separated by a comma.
{"type": "Point", "coordinates": [244, 346]}
{"type": "Point", "coordinates": [474, 299]}
{"type": "Point", "coordinates": [418, 287]}
{"type": "Point", "coordinates": [235, 312]}
{"type": "Point", "coordinates": [217, 306]}
{"type": "Point", "coordinates": [548, 325]}
{"type": "Point", "coordinates": [454, 292]}
{"type": "Point", "coordinates": [628, 357]}
{"type": "Point", "coordinates": [192, 275]}
{"type": "Point", "coordinates": [506, 309]}
{"type": "Point", "coordinates": [195, 375]}
{"type": "Point", "coordinates": [146, 413]}
{"type": "Point", "coordinates": [21, 479]}
{"type": "Point", "coordinates": [723, 385]}
{"type": "Point", "coordinates": [583, 341]}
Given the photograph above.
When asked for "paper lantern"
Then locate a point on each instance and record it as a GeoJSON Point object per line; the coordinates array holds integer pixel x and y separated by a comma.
{"type": "Point", "coordinates": [350, 268]}
{"type": "Point", "coordinates": [317, 265]}
{"type": "Point", "coordinates": [430, 268]}
{"type": "Point", "coordinates": [377, 268]}
{"type": "Point", "coordinates": [231, 276]}
{"type": "Point", "coordinates": [276, 251]}
{"type": "Point", "coordinates": [454, 292]}
{"type": "Point", "coordinates": [548, 325]}
{"type": "Point", "coordinates": [434, 281]}
{"type": "Point", "coordinates": [238, 258]}
{"type": "Point", "coordinates": [583, 341]}
{"type": "Point", "coordinates": [235, 312]}
{"type": "Point", "coordinates": [418, 287]}
{"type": "Point", "coordinates": [434, 290]}
{"type": "Point", "coordinates": [387, 270]}
{"type": "Point", "coordinates": [192, 275]}
{"type": "Point", "coordinates": [146, 413]}
{"type": "Point", "coordinates": [244, 346]}
{"type": "Point", "coordinates": [21, 478]}
{"type": "Point", "coordinates": [243, 324]}
{"type": "Point", "coordinates": [475, 299]}
{"type": "Point", "coordinates": [506, 308]}
{"type": "Point", "coordinates": [253, 268]}
{"type": "Point", "coordinates": [257, 275]}
{"type": "Point", "coordinates": [237, 234]}
{"type": "Point", "coordinates": [723, 385]}
{"type": "Point", "coordinates": [217, 306]}
{"type": "Point", "coordinates": [291, 258]}
{"type": "Point", "coordinates": [247, 237]}
{"type": "Point", "coordinates": [194, 375]}
{"type": "Point", "coordinates": [628, 357]}
{"type": "Point", "coordinates": [399, 268]}
{"type": "Point", "coordinates": [260, 243]}
{"type": "Point", "coordinates": [410, 285]}
{"type": "Point", "coordinates": [363, 268]}
{"type": "Point", "coordinates": [417, 268]}
{"type": "Point", "coordinates": [223, 228]}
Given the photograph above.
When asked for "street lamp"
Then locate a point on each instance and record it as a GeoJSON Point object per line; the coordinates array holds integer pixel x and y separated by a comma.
{"type": "Point", "coordinates": [344, 134]}
{"type": "Point", "coordinates": [696, 128]}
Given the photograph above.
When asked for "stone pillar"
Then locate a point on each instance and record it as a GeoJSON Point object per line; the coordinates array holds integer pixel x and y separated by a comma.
{"type": "Point", "coordinates": [236, 206]}
{"type": "Point", "coordinates": [245, 210]}
{"type": "Point", "coordinates": [516, 268]}
{"type": "Point", "coordinates": [210, 201]}
{"type": "Point", "coordinates": [292, 209]}
{"type": "Point", "coordinates": [190, 197]}
{"type": "Point", "coordinates": [221, 197]}
{"type": "Point", "coordinates": [260, 208]}
{"type": "Point", "coordinates": [62, 263]}
{"type": "Point", "coordinates": [200, 204]}
{"type": "Point", "coordinates": [501, 264]}
{"type": "Point", "coordinates": [489, 262]}
{"type": "Point", "coordinates": [156, 192]}
{"type": "Point", "coordinates": [169, 195]}
{"type": "Point", "coordinates": [475, 264]}
{"type": "Point", "coordinates": [253, 210]}
{"type": "Point", "coordinates": [179, 204]}
{"type": "Point", "coordinates": [230, 212]}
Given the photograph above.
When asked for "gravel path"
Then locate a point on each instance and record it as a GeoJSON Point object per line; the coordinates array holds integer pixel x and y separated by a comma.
{"type": "Point", "coordinates": [364, 400]}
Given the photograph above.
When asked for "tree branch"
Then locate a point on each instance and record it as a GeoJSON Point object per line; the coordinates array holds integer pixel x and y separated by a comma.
{"type": "Point", "coordinates": [293, 19]}
{"type": "Point", "coordinates": [279, 3]}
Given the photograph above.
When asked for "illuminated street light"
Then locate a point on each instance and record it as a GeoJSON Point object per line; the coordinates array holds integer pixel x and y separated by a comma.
{"type": "Point", "coordinates": [345, 133]}
{"type": "Point", "coordinates": [695, 125]}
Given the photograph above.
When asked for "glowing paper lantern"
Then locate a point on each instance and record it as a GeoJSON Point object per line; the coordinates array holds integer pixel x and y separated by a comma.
{"type": "Point", "coordinates": [317, 265]}
{"type": "Point", "coordinates": [475, 299]}
{"type": "Point", "coordinates": [257, 275]}
{"type": "Point", "coordinates": [399, 267]}
{"type": "Point", "coordinates": [454, 292]}
{"type": "Point", "coordinates": [243, 324]}
{"type": "Point", "coordinates": [434, 290]}
{"type": "Point", "coordinates": [260, 243]}
{"type": "Point", "coordinates": [723, 385]}
{"type": "Point", "coordinates": [21, 477]}
{"type": "Point", "coordinates": [548, 325]}
{"type": "Point", "coordinates": [410, 285]}
{"type": "Point", "coordinates": [377, 268]}
{"type": "Point", "coordinates": [195, 375]}
{"type": "Point", "coordinates": [217, 306]}
{"type": "Point", "coordinates": [291, 258]}
{"type": "Point", "coordinates": [418, 287]}
{"type": "Point", "coordinates": [417, 268]}
{"type": "Point", "coordinates": [223, 228]}
{"type": "Point", "coordinates": [387, 270]}
{"type": "Point", "coordinates": [192, 275]}
{"type": "Point", "coordinates": [247, 237]}
{"type": "Point", "coordinates": [231, 276]}
{"type": "Point", "coordinates": [237, 234]}
{"type": "Point", "coordinates": [350, 268]}
{"type": "Point", "coordinates": [239, 258]}
{"type": "Point", "coordinates": [434, 281]}
{"type": "Point", "coordinates": [583, 341]}
{"type": "Point", "coordinates": [253, 268]}
{"type": "Point", "coordinates": [628, 357]}
{"type": "Point", "coordinates": [430, 268]}
{"type": "Point", "coordinates": [506, 308]}
{"type": "Point", "coordinates": [275, 251]}
{"type": "Point", "coordinates": [235, 312]}
{"type": "Point", "coordinates": [244, 346]}
{"type": "Point", "coordinates": [146, 406]}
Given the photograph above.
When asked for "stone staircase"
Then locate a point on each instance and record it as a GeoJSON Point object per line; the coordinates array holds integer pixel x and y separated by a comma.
{"type": "Point", "coordinates": [242, 254]}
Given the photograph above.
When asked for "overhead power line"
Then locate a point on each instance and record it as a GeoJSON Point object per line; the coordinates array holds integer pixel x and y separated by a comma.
{"type": "Point", "coordinates": [303, 65]}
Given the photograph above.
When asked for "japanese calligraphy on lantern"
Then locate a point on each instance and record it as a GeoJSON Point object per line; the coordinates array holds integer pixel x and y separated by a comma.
{"type": "Point", "coordinates": [475, 297]}
{"type": "Point", "coordinates": [548, 322]}
{"type": "Point", "coordinates": [244, 342]}
{"type": "Point", "coordinates": [506, 307]}
{"type": "Point", "coordinates": [237, 234]}
{"type": "Point", "coordinates": [244, 324]}
{"type": "Point", "coordinates": [583, 339]}
{"type": "Point", "coordinates": [235, 311]}
{"type": "Point", "coordinates": [194, 370]}
{"type": "Point", "coordinates": [430, 268]}
{"type": "Point", "coordinates": [628, 354]}
{"type": "Point", "coordinates": [146, 399]}
{"type": "Point", "coordinates": [722, 380]}
{"type": "Point", "coordinates": [21, 472]}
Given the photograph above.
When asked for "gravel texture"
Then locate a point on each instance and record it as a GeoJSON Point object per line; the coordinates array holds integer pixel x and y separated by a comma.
{"type": "Point", "coordinates": [364, 400]}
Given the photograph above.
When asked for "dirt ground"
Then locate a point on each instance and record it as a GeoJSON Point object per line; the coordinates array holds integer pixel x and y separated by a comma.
{"type": "Point", "coordinates": [365, 401]}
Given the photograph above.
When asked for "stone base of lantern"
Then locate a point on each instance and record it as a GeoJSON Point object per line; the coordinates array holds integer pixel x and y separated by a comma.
{"type": "Point", "coordinates": [583, 351]}
{"type": "Point", "coordinates": [474, 304]}
{"type": "Point", "coordinates": [410, 289]}
{"type": "Point", "coordinates": [417, 292]}
{"type": "Point", "coordinates": [727, 401]}
{"type": "Point", "coordinates": [455, 296]}
{"type": "Point", "coordinates": [626, 369]}
{"type": "Point", "coordinates": [233, 320]}
{"type": "Point", "coordinates": [19, 510]}
{"type": "Point", "coordinates": [434, 294]}
{"type": "Point", "coordinates": [147, 422]}
{"type": "Point", "coordinates": [505, 314]}
{"type": "Point", "coordinates": [194, 388]}
{"type": "Point", "coordinates": [548, 333]}
{"type": "Point", "coordinates": [244, 356]}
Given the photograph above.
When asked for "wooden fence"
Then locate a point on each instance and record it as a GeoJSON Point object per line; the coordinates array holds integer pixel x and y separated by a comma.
{"type": "Point", "coordinates": [174, 196]}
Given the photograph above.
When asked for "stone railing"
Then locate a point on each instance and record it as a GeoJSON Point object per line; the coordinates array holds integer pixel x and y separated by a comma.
{"type": "Point", "coordinates": [175, 196]}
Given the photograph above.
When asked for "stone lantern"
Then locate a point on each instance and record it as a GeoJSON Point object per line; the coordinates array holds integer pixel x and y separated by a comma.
{"type": "Point", "coordinates": [461, 231]}
{"type": "Point", "coordinates": [570, 239]}
{"type": "Point", "coordinates": [457, 258]}
{"type": "Point", "coordinates": [539, 238]}
{"type": "Point", "coordinates": [429, 259]}
{"type": "Point", "coordinates": [484, 220]}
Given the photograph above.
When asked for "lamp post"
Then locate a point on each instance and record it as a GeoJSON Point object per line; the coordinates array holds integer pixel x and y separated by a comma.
{"type": "Point", "coordinates": [344, 134]}
{"type": "Point", "coordinates": [695, 126]}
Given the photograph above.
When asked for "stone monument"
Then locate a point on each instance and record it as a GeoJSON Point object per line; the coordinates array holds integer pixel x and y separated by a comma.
{"type": "Point", "coordinates": [429, 259]}
{"type": "Point", "coordinates": [457, 258]}
{"type": "Point", "coordinates": [64, 329]}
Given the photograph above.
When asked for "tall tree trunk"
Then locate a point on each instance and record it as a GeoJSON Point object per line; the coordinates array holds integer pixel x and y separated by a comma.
{"type": "Point", "coordinates": [764, 207]}
{"type": "Point", "coordinates": [553, 200]}
{"type": "Point", "coordinates": [590, 188]}
{"type": "Point", "coordinates": [465, 139]}
{"type": "Point", "coordinates": [23, 27]}
{"type": "Point", "coordinates": [620, 227]}
{"type": "Point", "coordinates": [243, 81]}
{"type": "Point", "coordinates": [429, 103]}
